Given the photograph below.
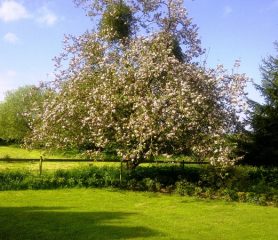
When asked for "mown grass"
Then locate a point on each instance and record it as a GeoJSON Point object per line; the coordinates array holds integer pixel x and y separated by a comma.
{"type": "Point", "coordinates": [106, 214]}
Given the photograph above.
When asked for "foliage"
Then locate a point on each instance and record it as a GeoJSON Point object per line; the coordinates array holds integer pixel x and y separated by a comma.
{"type": "Point", "coordinates": [264, 119]}
{"type": "Point", "coordinates": [116, 22]}
{"type": "Point", "coordinates": [143, 98]}
{"type": "Point", "coordinates": [15, 110]}
{"type": "Point", "coordinates": [169, 17]}
{"type": "Point", "coordinates": [245, 184]}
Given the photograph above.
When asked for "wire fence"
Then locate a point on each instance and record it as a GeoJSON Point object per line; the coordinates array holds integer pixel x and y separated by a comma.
{"type": "Point", "coordinates": [14, 160]}
{"type": "Point", "coordinates": [43, 160]}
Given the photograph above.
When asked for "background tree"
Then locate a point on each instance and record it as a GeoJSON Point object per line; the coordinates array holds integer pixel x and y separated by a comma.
{"type": "Point", "coordinates": [263, 149]}
{"type": "Point", "coordinates": [145, 96]}
{"type": "Point", "coordinates": [15, 112]}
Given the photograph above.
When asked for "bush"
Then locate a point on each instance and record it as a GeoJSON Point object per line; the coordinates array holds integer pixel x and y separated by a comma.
{"type": "Point", "coordinates": [151, 185]}
{"type": "Point", "coordinates": [243, 184]}
{"type": "Point", "coordinates": [185, 188]}
{"type": "Point", "coordinates": [230, 195]}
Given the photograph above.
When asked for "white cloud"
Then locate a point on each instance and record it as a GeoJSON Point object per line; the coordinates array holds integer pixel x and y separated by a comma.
{"type": "Point", "coordinates": [13, 10]}
{"type": "Point", "coordinates": [10, 10]}
{"type": "Point", "coordinates": [11, 38]}
{"type": "Point", "coordinates": [227, 11]}
{"type": "Point", "coordinates": [46, 17]}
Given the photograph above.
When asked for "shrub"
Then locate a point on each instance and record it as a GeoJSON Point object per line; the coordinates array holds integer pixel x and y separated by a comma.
{"type": "Point", "coordinates": [151, 185]}
{"type": "Point", "coordinates": [185, 188]}
{"type": "Point", "coordinates": [230, 195]}
{"type": "Point", "coordinates": [243, 184]}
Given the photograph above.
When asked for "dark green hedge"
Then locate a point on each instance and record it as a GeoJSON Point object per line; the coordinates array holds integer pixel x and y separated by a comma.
{"type": "Point", "coordinates": [244, 184]}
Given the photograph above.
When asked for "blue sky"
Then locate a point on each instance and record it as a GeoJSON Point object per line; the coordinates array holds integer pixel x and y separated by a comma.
{"type": "Point", "coordinates": [31, 34]}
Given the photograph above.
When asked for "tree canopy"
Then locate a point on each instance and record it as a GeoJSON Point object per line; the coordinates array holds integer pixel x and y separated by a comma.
{"type": "Point", "coordinates": [145, 95]}
{"type": "Point", "coordinates": [15, 112]}
{"type": "Point", "coordinates": [264, 119]}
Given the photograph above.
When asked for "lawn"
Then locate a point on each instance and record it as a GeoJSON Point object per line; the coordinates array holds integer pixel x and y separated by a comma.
{"type": "Point", "coordinates": [101, 214]}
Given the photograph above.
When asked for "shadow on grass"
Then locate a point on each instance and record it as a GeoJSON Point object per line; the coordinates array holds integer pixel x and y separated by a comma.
{"type": "Point", "coordinates": [42, 223]}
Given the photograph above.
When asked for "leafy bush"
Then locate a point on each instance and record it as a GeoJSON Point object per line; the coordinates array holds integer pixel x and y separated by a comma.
{"type": "Point", "coordinates": [185, 188]}
{"type": "Point", "coordinates": [243, 184]}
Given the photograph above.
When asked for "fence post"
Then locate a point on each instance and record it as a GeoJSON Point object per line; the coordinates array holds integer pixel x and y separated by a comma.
{"type": "Point", "coordinates": [121, 171]}
{"type": "Point", "coordinates": [182, 164]}
{"type": "Point", "coordinates": [40, 165]}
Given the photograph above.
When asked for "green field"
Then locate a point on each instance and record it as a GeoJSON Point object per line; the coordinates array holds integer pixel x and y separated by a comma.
{"type": "Point", "coordinates": [17, 152]}
{"type": "Point", "coordinates": [106, 214]}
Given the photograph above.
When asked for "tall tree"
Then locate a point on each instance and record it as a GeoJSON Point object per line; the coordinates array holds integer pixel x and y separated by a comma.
{"type": "Point", "coordinates": [16, 111]}
{"type": "Point", "coordinates": [145, 95]}
{"type": "Point", "coordinates": [263, 149]}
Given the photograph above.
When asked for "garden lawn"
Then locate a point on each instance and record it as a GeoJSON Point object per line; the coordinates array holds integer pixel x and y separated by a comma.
{"type": "Point", "coordinates": [100, 214]}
